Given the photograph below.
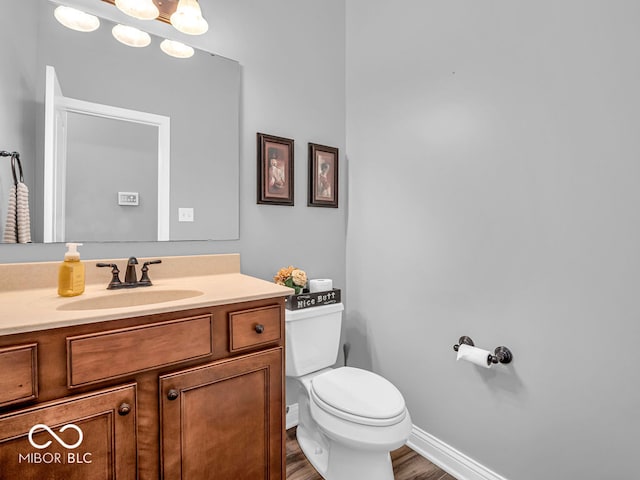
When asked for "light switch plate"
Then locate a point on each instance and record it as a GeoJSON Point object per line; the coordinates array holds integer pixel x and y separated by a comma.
{"type": "Point", "coordinates": [185, 214]}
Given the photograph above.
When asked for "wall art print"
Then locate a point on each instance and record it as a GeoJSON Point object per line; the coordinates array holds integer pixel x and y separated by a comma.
{"type": "Point", "coordinates": [323, 176]}
{"type": "Point", "coordinates": [275, 170]}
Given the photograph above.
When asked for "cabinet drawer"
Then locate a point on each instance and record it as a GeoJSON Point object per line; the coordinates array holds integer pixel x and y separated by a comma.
{"type": "Point", "coordinates": [19, 377]}
{"type": "Point", "coordinates": [101, 356]}
{"type": "Point", "coordinates": [250, 328]}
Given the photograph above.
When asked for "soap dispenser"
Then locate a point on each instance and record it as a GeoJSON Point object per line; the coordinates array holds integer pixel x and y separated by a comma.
{"type": "Point", "coordinates": [71, 273]}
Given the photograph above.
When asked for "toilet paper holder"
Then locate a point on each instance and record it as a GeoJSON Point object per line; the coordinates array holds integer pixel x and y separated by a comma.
{"type": "Point", "coordinates": [502, 354]}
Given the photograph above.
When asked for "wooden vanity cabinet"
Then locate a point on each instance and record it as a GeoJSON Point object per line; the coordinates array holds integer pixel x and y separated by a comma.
{"type": "Point", "coordinates": [40, 442]}
{"type": "Point", "coordinates": [192, 394]}
{"type": "Point", "coordinates": [218, 420]}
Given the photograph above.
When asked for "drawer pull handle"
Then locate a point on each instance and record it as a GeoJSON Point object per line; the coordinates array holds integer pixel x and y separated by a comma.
{"type": "Point", "coordinates": [259, 328]}
{"type": "Point", "coordinates": [124, 409]}
{"type": "Point", "coordinates": [173, 394]}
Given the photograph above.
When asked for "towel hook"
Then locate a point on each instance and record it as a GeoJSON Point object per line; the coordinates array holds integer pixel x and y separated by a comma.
{"type": "Point", "coordinates": [15, 158]}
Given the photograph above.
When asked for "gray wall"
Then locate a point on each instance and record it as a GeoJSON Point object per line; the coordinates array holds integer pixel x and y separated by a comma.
{"type": "Point", "coordinates": [493, 159]}
{"type": "Point", "coordinates": [291, 53]}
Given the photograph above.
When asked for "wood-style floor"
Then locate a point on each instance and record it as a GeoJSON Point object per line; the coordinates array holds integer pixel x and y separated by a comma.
{"type": "Point", "coordinates": [407, 464]}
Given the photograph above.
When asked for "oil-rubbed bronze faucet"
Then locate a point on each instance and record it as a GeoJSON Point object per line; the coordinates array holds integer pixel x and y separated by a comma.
{"type": "Point", "coordinates": [130, 277]}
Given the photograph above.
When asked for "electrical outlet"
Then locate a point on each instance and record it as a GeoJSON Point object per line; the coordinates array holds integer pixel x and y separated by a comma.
{"type": "Point", "coordinates": [185, 214]}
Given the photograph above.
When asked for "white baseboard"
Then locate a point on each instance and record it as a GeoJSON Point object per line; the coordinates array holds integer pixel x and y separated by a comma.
{"type": "Point", "coordinates": [448, 458]}
{"type": "Point", "coordinates": [292, 416]}
{"type": "Point", "coordinates": [433, 449]}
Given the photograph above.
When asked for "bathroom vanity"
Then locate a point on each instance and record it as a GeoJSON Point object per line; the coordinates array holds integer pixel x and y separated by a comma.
{"type": "Point", "coordinates": [184, 388]}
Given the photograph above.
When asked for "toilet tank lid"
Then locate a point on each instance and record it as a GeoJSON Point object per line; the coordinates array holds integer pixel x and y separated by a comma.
{"type": "Point", "coordinates": [359, 392]}
{"type": "Point", "coordinates": [310, 312]}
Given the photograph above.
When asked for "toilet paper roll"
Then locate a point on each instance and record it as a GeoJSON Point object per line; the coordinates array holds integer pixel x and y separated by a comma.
{"type": "Point", "coordinates": [320, 284]}
{"type": "Point", "coordinates": [475, 355]}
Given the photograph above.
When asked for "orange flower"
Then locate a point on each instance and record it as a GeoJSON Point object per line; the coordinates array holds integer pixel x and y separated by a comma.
{"type": "Point", "coordinates": [291, 277]}
{"type": "Point", "coordinates": [283, 274]}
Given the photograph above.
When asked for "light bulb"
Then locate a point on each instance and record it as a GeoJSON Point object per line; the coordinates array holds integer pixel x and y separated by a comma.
{"type": "Point", "coordinates": [76, 19]}
{"type": "Point", "coordinates": [141, 9]}
{"type": "Point", "coordinates": [176, 49]}
{"type": "Point", "coordinates": [131, 36]}
{"type": "Point", "coordinates": [188, 18]}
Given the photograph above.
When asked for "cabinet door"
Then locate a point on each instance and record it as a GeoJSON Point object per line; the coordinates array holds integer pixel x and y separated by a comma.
{"type": "Point", "coordinates": [224, 420]}
{"type": "Point", "coordinates": [90, 436]}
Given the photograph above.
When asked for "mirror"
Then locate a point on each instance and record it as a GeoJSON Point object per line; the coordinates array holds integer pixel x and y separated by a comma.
{"type": "Point", "coordinates": [199, 96]}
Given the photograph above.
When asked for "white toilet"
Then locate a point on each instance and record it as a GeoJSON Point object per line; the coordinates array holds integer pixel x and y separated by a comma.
{"type": "Point", "coordinates": [349, 419]}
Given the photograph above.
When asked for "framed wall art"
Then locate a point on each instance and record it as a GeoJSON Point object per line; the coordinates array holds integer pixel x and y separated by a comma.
{"type": "Point", "coordinates": [323, 176]}
{"type": "Point", "coordinates": [275, 170]}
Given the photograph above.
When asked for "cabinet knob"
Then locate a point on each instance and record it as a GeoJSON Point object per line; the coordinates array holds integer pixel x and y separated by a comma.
{"type": "Point", "coordinates": [259, 328]}
{"type": "Point", "coordinates": [124, 409]}
{"type": "Point", "coordinates": [173, 394]}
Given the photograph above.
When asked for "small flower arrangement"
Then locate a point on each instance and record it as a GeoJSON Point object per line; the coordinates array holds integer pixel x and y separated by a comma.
{"type": "Point", "coordinates": [291, 277]}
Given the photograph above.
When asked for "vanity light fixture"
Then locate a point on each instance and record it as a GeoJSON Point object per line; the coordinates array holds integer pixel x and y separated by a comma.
{"type": "Point", "coordinates": [140, 9]}
{"type": "Point", "coordinates": [131, 36]}
{"type": "Point", "coordinates": [76, 19]}
{"type": "Point", "coordinates": [188, 18]}
{"type": "Point", "coordinates": [176, 49]}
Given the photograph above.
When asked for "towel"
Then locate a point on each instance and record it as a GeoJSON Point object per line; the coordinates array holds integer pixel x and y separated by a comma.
{"type": "Point", "coordinates": [24, 219]}
{"type": "Point", "coordinates": [18, 226]}
{"type": "Point", "coordinates": [11, 226]}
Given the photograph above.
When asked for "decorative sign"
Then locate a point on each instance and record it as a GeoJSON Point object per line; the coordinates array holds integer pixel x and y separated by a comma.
{"type": "Point", "coordinates": [306, 300]}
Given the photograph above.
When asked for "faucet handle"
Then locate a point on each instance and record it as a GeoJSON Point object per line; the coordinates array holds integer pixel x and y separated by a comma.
{"type": "Point", "coordinates": [145, 281]}
{"type": "Point", "coordinates": [115, 278]}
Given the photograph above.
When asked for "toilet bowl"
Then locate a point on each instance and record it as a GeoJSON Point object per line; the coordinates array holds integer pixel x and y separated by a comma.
{"type": "Point", "coordinates": [349, 418]}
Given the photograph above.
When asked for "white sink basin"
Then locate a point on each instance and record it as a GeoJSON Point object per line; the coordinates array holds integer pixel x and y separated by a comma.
{"type": "Point", "coordinates": [129, 298]}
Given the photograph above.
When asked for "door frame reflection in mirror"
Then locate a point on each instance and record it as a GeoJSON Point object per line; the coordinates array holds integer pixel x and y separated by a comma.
{"type": "Point", "coordinates": [56, 108]}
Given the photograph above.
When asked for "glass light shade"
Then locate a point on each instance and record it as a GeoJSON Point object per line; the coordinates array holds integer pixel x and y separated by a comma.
{"type": "Point", "coordinates": [176, 49]}
{"type": "Point", "coordinates": [141, 9]}
{"type": "Point", "coordinates": [188, 18]}
{"type": "Point", "coordinates": [131, 36]}
{"type": "Point", "coordinates": [76, 19]}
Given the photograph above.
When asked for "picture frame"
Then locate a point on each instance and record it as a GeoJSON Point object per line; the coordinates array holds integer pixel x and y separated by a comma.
{"type": "Point", "coordinates": [323, 176]}
{"type": "Point", "coordinates": [275, 170]}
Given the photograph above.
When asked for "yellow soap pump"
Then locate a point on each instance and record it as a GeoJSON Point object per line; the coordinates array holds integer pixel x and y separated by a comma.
{"type": "Point", "coordinates": [71, 273]}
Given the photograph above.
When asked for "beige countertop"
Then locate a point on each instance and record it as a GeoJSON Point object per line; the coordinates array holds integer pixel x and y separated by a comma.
{"type": "Point", "coordinates": [29, 299]}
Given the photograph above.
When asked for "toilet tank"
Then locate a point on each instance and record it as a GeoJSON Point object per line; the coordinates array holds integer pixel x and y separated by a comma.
{"type": "Point", "coordinates": [312, 338]}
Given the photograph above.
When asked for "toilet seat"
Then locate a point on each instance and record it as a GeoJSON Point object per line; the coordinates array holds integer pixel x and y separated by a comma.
{"type": "Point", "coordinates": [358, 396]}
